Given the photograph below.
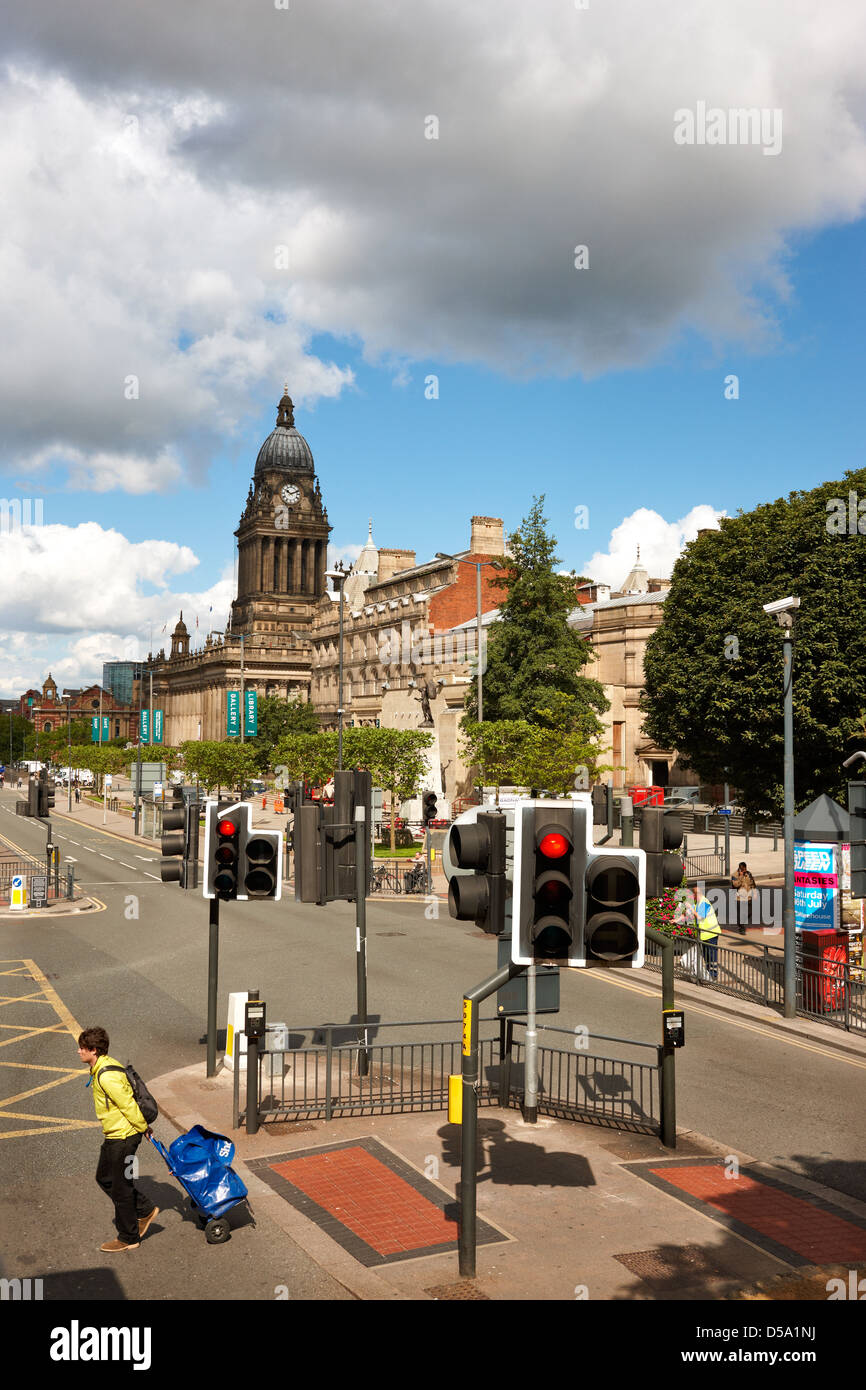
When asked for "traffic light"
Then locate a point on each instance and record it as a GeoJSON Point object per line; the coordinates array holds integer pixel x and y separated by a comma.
{"type": "Point", "coordinates": [857, 813]}
{"type": "Point", "coordinates": [430, 807]}
{"type": "Point", "coordinates": [550, 840]}
{"type": "Point", "coordinates": [660, 833]}
{"type": "Point", "coordinates": [480, 899]}
{"type": "Point", "coordinates": [615, 907]}
{"type": "Point", "coordinates": [44, 795]}
{"type": "Point", "coordinates": [573, 902]}
{"type": "Point", "coordinates": [324, 839]}
{"type": "Point", "coordinates": [173, 842]}
{"type": "Point", "coordinates": [261, 863]}
{"type": "Point", "coordinates": [222, 842]}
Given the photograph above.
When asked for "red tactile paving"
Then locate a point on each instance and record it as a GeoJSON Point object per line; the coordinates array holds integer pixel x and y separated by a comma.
{"type": "Point", "coordinates": [364, 1195]}
{"type": "Point", "coordinates": [794, 1222]}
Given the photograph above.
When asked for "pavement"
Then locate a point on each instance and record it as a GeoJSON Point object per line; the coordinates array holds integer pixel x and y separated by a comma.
{"type": "Point", "coordinates": [566, 1209]}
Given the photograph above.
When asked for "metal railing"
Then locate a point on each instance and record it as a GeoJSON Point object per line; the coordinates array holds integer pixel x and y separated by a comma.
{"type": "Point", "coordinates": [323, 1081]}
{"type": "Point", "coordinates": [704, 864]}
{"type": "Point", "coordinates": [832, 991]}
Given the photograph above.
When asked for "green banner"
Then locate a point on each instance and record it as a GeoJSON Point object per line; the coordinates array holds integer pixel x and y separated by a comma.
{"type": "Point", "coordinates": [233, 713]}
{"type": "Point", "coordinates": [251, 713]}
{"type": "Point", "coordinates": [157, 726]}
{"type": "Point", "coordinates": [144, 726]}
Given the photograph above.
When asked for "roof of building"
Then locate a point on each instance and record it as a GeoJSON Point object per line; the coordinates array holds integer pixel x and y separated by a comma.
{"type": "Point", "coordinates": [285, 449]}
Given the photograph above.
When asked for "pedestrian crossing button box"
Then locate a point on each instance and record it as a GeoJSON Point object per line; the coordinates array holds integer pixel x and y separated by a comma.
{"type": "Point", "coordinates": [255, 1025]}
{"type": "Point", "coordinates": [674, 1034]}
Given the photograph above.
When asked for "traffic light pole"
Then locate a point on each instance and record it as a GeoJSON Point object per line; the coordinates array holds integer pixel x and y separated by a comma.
{"type": "Point", "coordinates": [361, 933]}
{"type": "Point", "coordinates": [530, 1070]}
{"type": "Point", "coordinates": [467, 1203]}
{"type": "Point", "coordinates": [212, 973]}
{"type": "Point", "coordinates": [669, 1077]}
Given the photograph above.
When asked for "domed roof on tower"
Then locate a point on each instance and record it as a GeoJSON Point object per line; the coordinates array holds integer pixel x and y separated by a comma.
{"type": "Point", "coordinates": [285, 450]}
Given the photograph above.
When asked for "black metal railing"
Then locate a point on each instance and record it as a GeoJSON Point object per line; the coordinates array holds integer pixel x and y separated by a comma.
{"type": "Point", "coordinates": [833, 991]}
{"type": "Point", "coordinates": [323, 1080]}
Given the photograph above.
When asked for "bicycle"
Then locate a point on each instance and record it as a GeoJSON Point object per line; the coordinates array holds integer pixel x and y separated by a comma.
{"type": "Point", "coordinates": [385, 879]}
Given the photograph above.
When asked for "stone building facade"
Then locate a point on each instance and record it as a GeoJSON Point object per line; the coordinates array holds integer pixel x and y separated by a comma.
{"type": "Point", "coordinates": [404, 651]}
{"type": "Point", "coordinates": [282, 554]}
{"type": "Point", "coordinates": [47, 708]}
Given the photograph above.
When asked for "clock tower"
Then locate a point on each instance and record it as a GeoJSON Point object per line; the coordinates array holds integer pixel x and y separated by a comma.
{"type": "Point", "coordinates": [282, 536]}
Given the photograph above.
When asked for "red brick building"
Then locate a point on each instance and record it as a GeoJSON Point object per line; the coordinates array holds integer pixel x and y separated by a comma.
{"type": "Point", "coordinates": [48, 709]}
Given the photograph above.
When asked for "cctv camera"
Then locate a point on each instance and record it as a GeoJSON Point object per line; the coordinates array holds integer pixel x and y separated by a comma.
{"type": "Point", "coordinates": [781, 605]}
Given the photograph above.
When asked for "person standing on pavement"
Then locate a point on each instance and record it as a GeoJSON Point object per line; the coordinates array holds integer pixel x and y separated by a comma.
{"type": "Point", "coordinates": [123, 1127]}
{"type": "Point", "coordinates": [746, 888]}
{"type": "Point", "coordinates": [708, 925]}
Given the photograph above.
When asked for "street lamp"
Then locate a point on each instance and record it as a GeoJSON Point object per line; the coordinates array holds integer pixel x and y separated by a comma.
{"type": "Point", "coordinates": [68, 756]}
{"type": "Point", "coordinates": [783, 611]}
{"type": "Point", "coordinates": [339, 576]}
{"type": "Point", "coordinates": [440, 555]}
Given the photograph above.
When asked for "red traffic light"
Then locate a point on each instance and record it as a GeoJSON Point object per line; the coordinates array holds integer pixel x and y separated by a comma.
{"type": "Point", "coordinates": [227, 827]}
{"type": "Point", "coordinates": [553, 845]}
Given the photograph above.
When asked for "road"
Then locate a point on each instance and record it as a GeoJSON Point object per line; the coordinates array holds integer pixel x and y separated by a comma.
{"type": "Point", "coordinates": [138, 967]}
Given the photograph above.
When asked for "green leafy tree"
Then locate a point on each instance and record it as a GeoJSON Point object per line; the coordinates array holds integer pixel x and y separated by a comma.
{"type": "Point", "coordinates": [517, 753]}
{"type": "Point", "coordinates": [219, 763]}
{"type": "Point", "coordinates": [393, 757]}
{"type": "Point", "coordinates": [278, 719]}
{"type": "Point", "coordinates": [713, 669]}
{"type": "Point", "coordinates": [308, 757]}
{"type": "Point", "coordinates": [98, 759]}
{"type": "Point", "coordinates": [534, 659]}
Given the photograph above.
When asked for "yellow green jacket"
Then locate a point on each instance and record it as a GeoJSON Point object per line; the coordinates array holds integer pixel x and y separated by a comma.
{"type": "Point", "coordinates": [708, 922]}
{"type": "Point", "coordinates": [116, 1106]}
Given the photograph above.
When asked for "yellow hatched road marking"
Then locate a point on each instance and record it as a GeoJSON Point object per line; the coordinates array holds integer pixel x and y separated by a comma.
{"type": "Point", "coordinates": [66, 1023]}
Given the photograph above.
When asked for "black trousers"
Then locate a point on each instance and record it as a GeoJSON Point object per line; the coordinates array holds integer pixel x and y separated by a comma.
{"type": "Point", "coordinates": [113, 1174]}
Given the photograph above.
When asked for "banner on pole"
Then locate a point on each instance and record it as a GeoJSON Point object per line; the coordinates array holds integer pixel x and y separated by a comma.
{"type": "Point", "coordinates": [251, 713]}
{"type": "Point", "coordinates": [157, 726]}
{"type": "Point", "coordinates": [144, 726]}
{"type": "Point", "coordinates": [233, 713]}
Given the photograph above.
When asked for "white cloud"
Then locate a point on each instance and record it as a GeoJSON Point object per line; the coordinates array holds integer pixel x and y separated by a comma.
{"type": "Point", "coordinates": [153, 167]}
{"type": "Point", "coordinates": [64, 589]}
{"type": "Point", "coordinates": [660, 542]}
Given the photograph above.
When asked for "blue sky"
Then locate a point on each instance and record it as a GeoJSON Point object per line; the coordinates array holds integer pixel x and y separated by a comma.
{"type": "Point", "coordinates": [243, 201]}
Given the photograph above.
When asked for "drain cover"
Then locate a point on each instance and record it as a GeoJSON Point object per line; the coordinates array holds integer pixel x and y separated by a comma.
{"type": "Point", "coordinates": [464, 1289]}
{"type": "Point", "coordinates": [671, 1265]}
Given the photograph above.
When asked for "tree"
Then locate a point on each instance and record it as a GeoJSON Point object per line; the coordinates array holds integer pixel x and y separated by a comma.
{"type": "Point", "coordinates": [219, 763]}
{"type": "Point", "coordinates": [308, 757]}
{"type": "Point", "coordinates": [534, 659]}
{"type": "Point", "coordinates": [393, 757]}
{"type": "Point", "coordinates": [278, 719]}
{"type": "Point", "coordinates": [515, 752]}
{"type": "Point", "coordinates": [713, 669]}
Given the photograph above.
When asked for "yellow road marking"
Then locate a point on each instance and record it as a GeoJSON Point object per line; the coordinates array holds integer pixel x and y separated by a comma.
{"type": "Point", "coordinates": [735, 1022]}
{"type": "Point", "coordinates": [66, 1023]}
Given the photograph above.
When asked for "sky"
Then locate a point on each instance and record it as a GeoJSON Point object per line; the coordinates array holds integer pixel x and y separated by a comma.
{"type": "Point", "coordinates": [382, 206]}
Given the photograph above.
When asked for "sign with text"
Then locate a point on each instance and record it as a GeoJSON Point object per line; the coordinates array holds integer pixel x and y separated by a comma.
{"type": "Point", "coordinates": [816, 886]}
{"type": "Point", "coordinates": [157, 726]}
{"type": "Point", "coordinates": [94, 729]}
{"type": "Point", "coordinates": [144, 726]}
{"type": "Point", "coordinates": [251, 713]}
{"type": "Point", "coordinates": [233, 713]}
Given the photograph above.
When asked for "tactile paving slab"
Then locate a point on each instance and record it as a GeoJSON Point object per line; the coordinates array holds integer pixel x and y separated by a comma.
{"type": "Point", "coordinates": [369, 1200]}
{"type": "Point", "coordinates": [783, 1220]}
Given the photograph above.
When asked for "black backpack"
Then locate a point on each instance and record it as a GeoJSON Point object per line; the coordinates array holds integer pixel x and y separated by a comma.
{"type": "Point", "coordinates": [143, 1099]}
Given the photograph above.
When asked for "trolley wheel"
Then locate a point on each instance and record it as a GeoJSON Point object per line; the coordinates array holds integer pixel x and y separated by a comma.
{"type": "Point", "coordinates": [217, 1231]}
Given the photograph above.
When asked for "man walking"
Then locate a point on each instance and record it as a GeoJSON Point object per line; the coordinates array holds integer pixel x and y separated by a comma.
{"type": "Point", "coordinates": [123, 1126]}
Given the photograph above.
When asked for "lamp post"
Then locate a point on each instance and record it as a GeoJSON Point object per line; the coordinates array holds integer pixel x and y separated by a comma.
{"type": "Point", "coordinates": [478, 564]}
{"type": "Point", "coordinates": [68, 756]}
{"type": "Point", "coordinates": [783, 611]}
{"type": "Point", "coordinates": [338, 574]}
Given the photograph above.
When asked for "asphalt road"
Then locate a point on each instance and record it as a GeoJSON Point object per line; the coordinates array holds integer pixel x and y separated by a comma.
{"type": "Point", "coordinates": [138, 967]}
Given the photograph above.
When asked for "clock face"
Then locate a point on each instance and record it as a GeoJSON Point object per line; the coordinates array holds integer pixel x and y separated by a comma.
{"type": "Point", "coordinates": [290, 494]}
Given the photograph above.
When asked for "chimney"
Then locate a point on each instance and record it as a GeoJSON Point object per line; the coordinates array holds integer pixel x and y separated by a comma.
{"type": "Point", "coordinates": [391, 562]}
{"type": "Point", "coordinates": [487, 537]}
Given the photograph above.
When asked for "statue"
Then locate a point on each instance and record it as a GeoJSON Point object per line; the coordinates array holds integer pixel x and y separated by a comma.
{"type": "Point", "coordinates": [429, 691]}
